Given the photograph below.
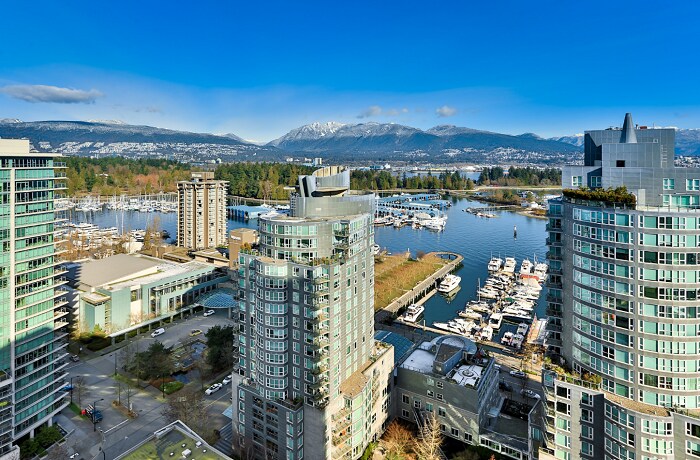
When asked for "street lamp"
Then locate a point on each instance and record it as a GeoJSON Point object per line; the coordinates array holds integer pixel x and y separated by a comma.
{"type": "Point", "coordinates": [94, 414]}
{"type": "Point", "coordinates": [115, 363]}
{"type": "Point", "coordinates": [102, 447]}
{"type": "Point", "coordinates": [71, 387]}
{"type": "Point", "coordinates": [162, 384]}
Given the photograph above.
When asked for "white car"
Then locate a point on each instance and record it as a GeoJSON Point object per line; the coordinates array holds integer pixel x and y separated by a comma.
{"type": "Point", "coordinates": [157, 332]}
{"type": "Point", "coordinates": [227, 379]}
{"type": "Point", "coordinates": [214, 388]}
{"type": "Point", "coordinates": [530, 394]}
{"type": "Point", "coordinates": [518, 374]}
{"type": "Point", "coordinates": [209, 313]}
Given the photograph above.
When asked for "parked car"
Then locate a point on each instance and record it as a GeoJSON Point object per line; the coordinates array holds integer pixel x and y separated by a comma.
{"type": "Point", "coordinates": [68, 387]}
{"type": "Point", "coordinates": [158, 332]}
{"type": "Point", "coordinates": [209, 312]}
{"type": "Point", "coordinates": [195, 332]}
{"type": "Point", "coordinates": [214, 388]}
{"type": "Point", "coordinates": [75, 358]}
{"type": "Point", "coordinates": [518, 374]}
{"type": "Point", "coordinates": [497, 367]}
{"type": "Point", "coordinates": [504, 386]}
{"type": "Point", "coordinates": [530, 394]}
{"type": "Point", "coordinates": [227, 379]}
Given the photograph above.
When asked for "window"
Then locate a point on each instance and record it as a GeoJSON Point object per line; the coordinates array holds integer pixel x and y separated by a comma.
{"type": "Point", "coordinates": [669, 184]}
{"type": "Point", "coordinates": [441, 412]}
{"type": "Point", "coordinates": [405, 399]}
{"type": "Point", "coordinates": [439, 384]}
{"type": "Point", "coordinates": [416, 403]}
{"type": "Point", "coordinates": [576, 181]}
{"type": "Point", "coordinates": [439, 397]}
{"type": "Point", "coordinates": [454, 432]}
{"type": "Point", "coordinates": [620, 163]}
{"type": "Point", "coordinates": [586, 415]}
{"type": "Point", "coordinates": [404, 413]}
{"type": "Point", "coordinates": [692, 185]}
{"type": "Point", "coordinates": [430, 393]}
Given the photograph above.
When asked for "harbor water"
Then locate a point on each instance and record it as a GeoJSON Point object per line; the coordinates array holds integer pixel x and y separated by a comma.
{"type": "Point", "coordinates": [476, 238]}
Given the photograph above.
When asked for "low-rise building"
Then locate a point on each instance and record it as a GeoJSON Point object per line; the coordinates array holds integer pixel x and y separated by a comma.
{"type": "Point", "coordinates": [125, 291]}
{"type": "Point", "coordinates": [452, 379]}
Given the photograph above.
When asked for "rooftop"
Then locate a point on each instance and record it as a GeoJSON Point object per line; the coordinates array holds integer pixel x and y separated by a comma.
{"type": "Point", "coordinates": [121, 270]}
{"type": "Point", "coordinates": [170, 442]}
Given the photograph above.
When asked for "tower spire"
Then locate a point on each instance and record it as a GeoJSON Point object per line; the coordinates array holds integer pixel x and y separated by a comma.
{"type": "Point", "coordinates": [629, 136]}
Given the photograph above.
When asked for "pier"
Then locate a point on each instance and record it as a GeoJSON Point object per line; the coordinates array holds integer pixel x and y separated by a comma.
{"type": "Point", "coordinates": [423, 290]}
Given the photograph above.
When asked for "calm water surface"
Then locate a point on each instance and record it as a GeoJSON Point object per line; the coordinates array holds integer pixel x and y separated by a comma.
{"type": "Point", "coordinates": [477, 239]}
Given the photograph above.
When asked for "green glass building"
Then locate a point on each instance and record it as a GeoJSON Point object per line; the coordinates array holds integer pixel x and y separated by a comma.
{"type": "Point", "coordinates": [33, 319]}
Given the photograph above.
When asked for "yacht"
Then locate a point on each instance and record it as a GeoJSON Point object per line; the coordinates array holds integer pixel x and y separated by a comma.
{"type": "Point", "coordinates": [495, 264]}
{"type": "Point", "coordinates": [495, 320]}
{"type": "Point", "coordinates": [470, 314]}
{"type": "Point", "coordinates": [515, 314]}
{"type": "Point", "coordinates": [507, 338]}
{"type": "Point", "coordinates": [486, 333]}
{"type": "Point", "coordinates": [481, 307]}
{"type": "Point", "coordinates": [526, 267]}
{"type": "Point", "coordinates": [451, 326]}
{"type": "Point", "coordinates": [517, 340]}
{"type": "Point", "coordinates": [541, 271]}
{"type": "Point", "coordinates": [488, 293]}
{"type": "Point", "coordinates": [375, 249]}
{"type": "Point", "coordinates": [522, 328]}
{"type": "Point", "coordinates": [509, 266]}
{"type": "Point", "coordinates": [449, 283]}
{"type": "Point", "coordinates": [413, 313]}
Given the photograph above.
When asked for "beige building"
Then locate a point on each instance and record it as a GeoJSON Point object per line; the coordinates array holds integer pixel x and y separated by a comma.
{"type": "Point", "coordinates": [201, 211]}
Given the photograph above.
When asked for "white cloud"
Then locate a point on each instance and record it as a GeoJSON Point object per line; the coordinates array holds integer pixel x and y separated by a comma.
{"type": "Point", "coordinates": [445, 111]}
{"type": "Point", "coordinates": [375, 111]}
{"type": "Point", "coordinates": [371, 111]}
{"type": "Point", "coordinates": [50, 94]}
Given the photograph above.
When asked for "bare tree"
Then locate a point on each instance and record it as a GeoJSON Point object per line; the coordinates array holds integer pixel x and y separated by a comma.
{"type": "Point", "coordinates": [129, 391]}
{"type": "Point", "coordinates": [397, 440]}
{"type": "Point", "coordinates": [80, 389]}
{"type": "Point", "coordinates": [188, 405]}
{"type": "Point", "coordinates": [427, 446]}
{"type": "Point", "coordinates": [57, 452]}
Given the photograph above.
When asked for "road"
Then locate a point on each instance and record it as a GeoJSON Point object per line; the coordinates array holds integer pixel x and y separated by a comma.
{"type": "Point", "coordinates": [120, 432]}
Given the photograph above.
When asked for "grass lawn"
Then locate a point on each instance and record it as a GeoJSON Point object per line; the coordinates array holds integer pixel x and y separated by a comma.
{"type": "Point", "coordinates": [394, 275]}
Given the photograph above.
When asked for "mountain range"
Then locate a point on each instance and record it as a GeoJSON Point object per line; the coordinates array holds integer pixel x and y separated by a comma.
{"type": "Point", "coordinates": [335, 142]}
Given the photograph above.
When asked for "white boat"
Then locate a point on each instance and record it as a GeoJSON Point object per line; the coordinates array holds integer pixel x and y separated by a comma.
{"type": "Point", "coordinates": [488, 293]}
{"type": "Point", "coordinates": [517, 340]}
{"type": "Point", "coordinates": [375, 249]}
{"type": "Point", "coordinates": [450, 326]}
{"type": "Point", "coordinates": [413, 313]}
{"type": "Point", "coordinates": [509, 266]}
{"type": "Point", "coordinates": [495, 264]}
{"type": "Point", "coordinates": [507, 338]}
{"type": "Point", "coordinates": [481, 307]}
{"type": "Point", "coordinates": [526, 267]}
{"type": "Point", "coordinates": [522, 328]}
{"type": "Point", "coordinates": [495, 320]}
{"type": "Point", "coordinates": [470, 314]}
{"type": "Point", "coordinates": [449, 283]}
{"type": "Point", "coordinates": [541, 271]}
{"type": "Point", "coordinates": [515, 314]}
{"type": "Point", "coordinates": [486, 333]}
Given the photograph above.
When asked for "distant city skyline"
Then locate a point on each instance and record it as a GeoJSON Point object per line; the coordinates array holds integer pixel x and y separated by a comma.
{"type": "Point", "coordinates": [260, 70]}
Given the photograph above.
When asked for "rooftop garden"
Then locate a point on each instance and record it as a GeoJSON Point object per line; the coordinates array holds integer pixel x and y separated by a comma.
{"type": "Point", "coordinates": [618, 195]}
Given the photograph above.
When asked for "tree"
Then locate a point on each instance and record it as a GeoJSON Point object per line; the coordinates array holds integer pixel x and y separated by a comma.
{"type": "Point", "coordinates": [80, 389]}
{"type": "Point", "coordinates": [220, 348]}
{"type": "Point", "coordinates": [188, 405]}
{"type": "Point", "coordinates": [57, 452]}
{"type": "Point", "coordinates": [153, 363]}
{"type": "Point", "coordinates": [397, 440]}
{"type": "Point", "coordinates": [427, 446]}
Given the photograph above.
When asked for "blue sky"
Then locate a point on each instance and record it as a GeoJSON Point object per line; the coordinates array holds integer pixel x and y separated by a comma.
{"type": "Point", "coordinates": [262, 68]}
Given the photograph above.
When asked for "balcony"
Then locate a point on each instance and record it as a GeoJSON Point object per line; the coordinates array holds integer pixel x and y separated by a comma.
{"type": "Point", "coordinates": [343, 233]}
{"type": "Point", "coordinates": [319, 385]}
{"type": "Point", "coordinates": [553, 256]}
{"type": "Point", "coordinates": [549, 341]}
{"type": "Point", "coordinates": [319, 356]}
{"type": "Point", "coordinates": [321, 317]}
{"type": "Point", "coordinates": [550, 228]}
{"type": "Point", "coordinates": [553, 299]}
{"type": "Point", "coordinates": [320, 369]}
{"type": "Point", "coordinates": [325, 279]}
{"type": "Point", "coordinates": [551, 242]}
{"type": "Point", "coordinates": [555, 271]}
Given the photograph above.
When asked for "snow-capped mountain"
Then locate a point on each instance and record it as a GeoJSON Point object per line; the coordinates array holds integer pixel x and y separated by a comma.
{"type": "Point", "coordinates": [392, 141]}
{"type": "Point", "coordinates": [110, 138]}
{"type": "Point", "coordinates": [576, 139]}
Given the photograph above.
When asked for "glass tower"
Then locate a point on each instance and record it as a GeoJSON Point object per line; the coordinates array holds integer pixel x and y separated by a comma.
{"type": "Point", "coordinates": [32, 315]}
{"type": "Point", "coordinates": [624, 303]}
{"type": "Point", "coordinates": [316, 382]}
